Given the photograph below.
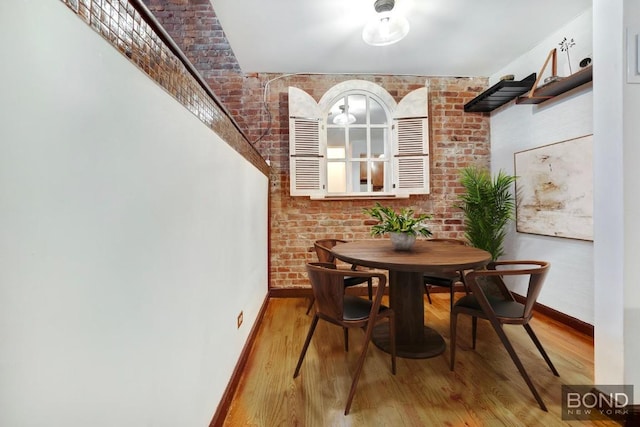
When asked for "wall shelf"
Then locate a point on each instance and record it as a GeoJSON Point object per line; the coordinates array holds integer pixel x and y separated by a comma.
{"type": "Point", "coordinates": [499, 94]}
{"type": "Point", "coordinates": [558, 87]}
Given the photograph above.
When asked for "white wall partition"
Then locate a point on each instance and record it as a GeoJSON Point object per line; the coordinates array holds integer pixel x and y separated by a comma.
{"type": "Point", "coordinates": [569, 285]}
{"type": "Point", "coordinates": [131, 236]}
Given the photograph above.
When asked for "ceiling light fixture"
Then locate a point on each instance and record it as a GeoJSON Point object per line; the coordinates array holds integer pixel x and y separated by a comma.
{"type": "Point", "coordinates": [344, 117]}
{"type": "Point", "coordinates": [386, 28]}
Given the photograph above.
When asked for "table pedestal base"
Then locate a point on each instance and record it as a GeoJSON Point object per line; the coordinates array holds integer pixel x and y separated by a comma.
{"type": "Point", "coordinates": [432, 345]}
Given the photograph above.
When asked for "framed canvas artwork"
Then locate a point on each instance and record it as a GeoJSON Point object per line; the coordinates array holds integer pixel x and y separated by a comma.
{"type": "Point", "coordinates": [554, 189]}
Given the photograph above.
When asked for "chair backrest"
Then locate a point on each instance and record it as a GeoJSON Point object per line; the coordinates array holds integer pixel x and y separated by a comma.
{"type": "Point", "coordinates": [497, 270]}
{"type": "Point", "coordinates": [327, 284]}
{"type": "Point", "coordinates": [328, 289]}
{"type": "Point", "coordinates": [323, 249]}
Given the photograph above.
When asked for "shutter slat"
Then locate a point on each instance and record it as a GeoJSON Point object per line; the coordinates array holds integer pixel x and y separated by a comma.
{"type": "Point", "coordinates": [306, 173]}
{"type": "Point", "coordinates": [410, 136]}
{"type": "Point", "coordinates": [411, 172]}
{"type": "Point", "coordinates": [307, 137]}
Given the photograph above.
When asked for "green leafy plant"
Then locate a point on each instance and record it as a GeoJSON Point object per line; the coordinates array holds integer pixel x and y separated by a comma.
{"type": "Point", "coordinates": [488, 206]}
{"type": "Point", "coordinates": [390, 221]}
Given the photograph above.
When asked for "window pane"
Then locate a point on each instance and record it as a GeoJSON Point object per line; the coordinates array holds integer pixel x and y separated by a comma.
{"type": "Point", "coordinates": [358, 107]}
{"type": "Point", "coordinates": [359, 180]}
{"type": "Point", "coordinates": [336, 177]}
{"type": "Point", "coordinates": [378, 137]}
{"type": "Point", "coordinates": [336, 143]}
{"type": "Point", "coordinates": [358, 142]}
{"type": "Point", "coordinates": [378, 175]}
{"type": "Point", "coordinates": [378, 116]}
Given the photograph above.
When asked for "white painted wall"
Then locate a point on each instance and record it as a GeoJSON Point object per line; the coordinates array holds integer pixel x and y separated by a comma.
{"type": "Point", "coordinates": [631, 159]}
{"type": "Point", "coordinates": [610, 228]}
{"type": "Point", "coordinates": [131, 236]}
{"type": "Point", "coordinates": [617, 106]}
{"type": "Point", "coordinates": [569, 286]}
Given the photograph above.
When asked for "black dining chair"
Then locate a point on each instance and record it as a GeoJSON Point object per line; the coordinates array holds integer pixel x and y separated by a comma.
{"type": "Point", "coordinates": [490, 299]}
{"type": "Point", "coordinates": [347, 311]}
{"type": "Point", "coordinates": [323, 252]}
{"type": "Point", "coordinates": [447, 280]}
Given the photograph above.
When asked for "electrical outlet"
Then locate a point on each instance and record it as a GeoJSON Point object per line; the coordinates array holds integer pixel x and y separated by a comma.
{"type": "Point", "coordinates": [239, 320]}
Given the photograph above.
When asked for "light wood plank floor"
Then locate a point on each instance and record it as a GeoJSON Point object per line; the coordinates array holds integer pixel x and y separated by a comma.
{"type": "Point", "coordinates": [484, 390]}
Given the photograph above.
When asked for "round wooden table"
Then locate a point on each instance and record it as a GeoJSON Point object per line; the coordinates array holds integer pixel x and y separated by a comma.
{"type": "Point", "coordinates": [406, 286]}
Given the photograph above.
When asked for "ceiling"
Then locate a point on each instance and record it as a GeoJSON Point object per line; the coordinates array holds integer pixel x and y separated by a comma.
{"type": "Point", "coordinates": [447, 37]}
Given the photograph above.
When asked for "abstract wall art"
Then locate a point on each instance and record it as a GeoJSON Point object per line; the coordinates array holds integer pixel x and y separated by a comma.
{"type": "Point", "coordinates": [554, 189]}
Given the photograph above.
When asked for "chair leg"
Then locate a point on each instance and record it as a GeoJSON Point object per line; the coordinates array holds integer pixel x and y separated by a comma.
{"type": "Point", "coordinates": [451, 292]}
{"type": "Point", "coordinates": [313, 300]}
{"type": "Point", "coordinates": [474, 331]}
{"type": "Point", "coordinates": [516, 360]}
{"type": "Point", "coordinates": [392, 340]}
{"type": "Point", "coordinates": [312, 328]}
{"type": "Point", "coordinates": [535, 340]}
{"type": "Point", "coordinates": [370, 288]}
{"type": "Point", "coordinates": [346, 338]}
{"type": "Point", "coordinates": [426, 291]}
{"type": "Point", "coordinates": [356, 375]}
{"type": "Point", "coordinates": [453, 332]}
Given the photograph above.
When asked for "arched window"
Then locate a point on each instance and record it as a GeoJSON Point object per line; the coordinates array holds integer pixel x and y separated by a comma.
{"type": "Point", "coordinates": [358, 142]}
{"type": "Point", "coordinates": [357, 146]}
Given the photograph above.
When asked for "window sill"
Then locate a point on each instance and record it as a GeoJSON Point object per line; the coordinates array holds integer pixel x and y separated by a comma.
{"type": "Point", "coordinates": [361, 197]}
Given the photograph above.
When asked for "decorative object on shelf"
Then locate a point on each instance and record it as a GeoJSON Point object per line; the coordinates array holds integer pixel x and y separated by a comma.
{"type": "Point", "coordinates": [488, 206]}
{"type": "Point", "coordinates": [565, 45]}
{"type": "Point", "coordinates": [387, 27]}
{"type": "Point", "coordinates": [585, 62]}
{"type": "Point", "coordinates": [554, 86]}
{"type": "Point", "coordinates": [406, 223]}
{"type": "Point", "coordinates": [552, 79]}
{"type": "Point", "coordinates": [507, 77]}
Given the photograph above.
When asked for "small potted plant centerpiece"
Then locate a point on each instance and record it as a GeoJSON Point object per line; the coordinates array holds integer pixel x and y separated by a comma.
{"type": "Point", "coordinates": [403, 226]}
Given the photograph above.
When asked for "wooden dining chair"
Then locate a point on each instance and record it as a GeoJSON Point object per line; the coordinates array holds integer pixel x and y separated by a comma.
{"type": "Point", "coordinates": [347, 311]}
{"type": "Point", "coordinates": [490, 299]}
{"type": "Point", "coordinates": [447, 280]}
{"type": "Point", "coordinates": [323, 252]}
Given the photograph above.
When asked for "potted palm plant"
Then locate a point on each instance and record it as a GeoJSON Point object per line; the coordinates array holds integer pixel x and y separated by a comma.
{"type": "Point", "coordinates": [402, 226]}
{"type": "Point", "coordinates": [488, 206]}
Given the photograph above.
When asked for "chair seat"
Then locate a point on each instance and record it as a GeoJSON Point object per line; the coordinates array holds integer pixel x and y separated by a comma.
{"type": "Point", "coordinates": [503, 309]}
{"type": "Point", "coordinates": [356, 308]}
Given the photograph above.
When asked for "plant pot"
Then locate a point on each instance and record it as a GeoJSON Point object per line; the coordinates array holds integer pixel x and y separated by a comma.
{"type": "Point", "coordinates": [402, 241]}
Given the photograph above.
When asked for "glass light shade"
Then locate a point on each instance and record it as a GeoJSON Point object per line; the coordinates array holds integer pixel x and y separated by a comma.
{"type": "Point", "coordinates": [385, 29]}
{"type": "Point", "coordinates": [344, 118]}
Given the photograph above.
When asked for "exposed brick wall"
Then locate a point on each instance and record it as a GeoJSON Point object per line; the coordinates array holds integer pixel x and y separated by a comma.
{"type": "Point", "coordinates": [458, 139]}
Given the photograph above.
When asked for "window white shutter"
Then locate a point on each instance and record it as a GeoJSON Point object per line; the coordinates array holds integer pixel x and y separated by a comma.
{"type": "Point", "coordinates": [306, 163]}
{"type": "Point", "coordinates": [411, 142]}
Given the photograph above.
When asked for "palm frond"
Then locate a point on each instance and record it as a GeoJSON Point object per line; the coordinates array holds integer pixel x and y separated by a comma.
{"type": "Point", "coordinates": [488, 206]}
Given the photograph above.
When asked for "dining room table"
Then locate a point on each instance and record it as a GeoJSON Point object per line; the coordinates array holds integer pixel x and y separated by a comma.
{"type": "Point", "coordinates": [406, 269]}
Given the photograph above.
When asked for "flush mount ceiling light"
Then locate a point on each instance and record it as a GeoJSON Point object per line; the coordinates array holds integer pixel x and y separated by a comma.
{"type": "Point", "coordinates": [386, 28]}
{"type": "Point", "coordinates": [344, 117]}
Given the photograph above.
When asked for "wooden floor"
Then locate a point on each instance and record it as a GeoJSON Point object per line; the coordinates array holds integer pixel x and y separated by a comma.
{"type": "Point", "coordinates": [484, 390]}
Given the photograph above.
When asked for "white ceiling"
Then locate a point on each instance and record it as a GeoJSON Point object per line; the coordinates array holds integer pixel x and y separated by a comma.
{"type": "Point", "coordinates": [447, 37]}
